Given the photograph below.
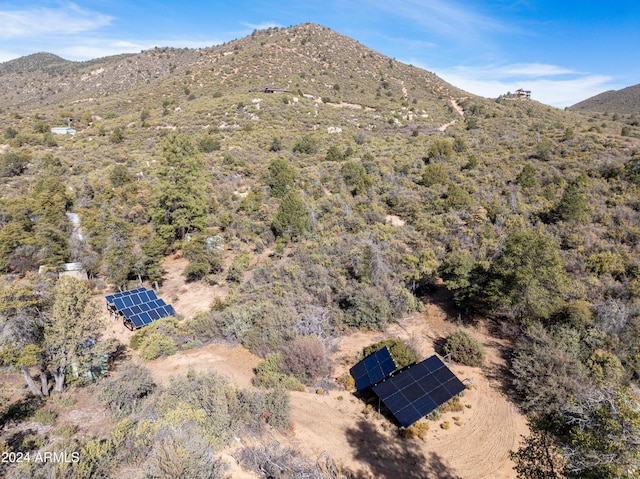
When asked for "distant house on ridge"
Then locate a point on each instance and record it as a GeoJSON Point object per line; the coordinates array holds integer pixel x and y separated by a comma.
{"type": "Point", "coordinates": [520, 93]}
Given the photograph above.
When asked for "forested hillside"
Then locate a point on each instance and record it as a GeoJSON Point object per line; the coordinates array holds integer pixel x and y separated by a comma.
{"type": "Point", "coordinates": [360, 188]}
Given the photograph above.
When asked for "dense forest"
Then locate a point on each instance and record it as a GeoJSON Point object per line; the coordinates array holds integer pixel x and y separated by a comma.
{"type": "Point", "coordinates": [365, 187]}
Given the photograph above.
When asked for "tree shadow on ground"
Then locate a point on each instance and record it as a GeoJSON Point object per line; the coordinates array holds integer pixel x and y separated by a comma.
{"type": "Point", "coordinates": [499, 374]}
{"type": "Point", "coordinates": [438, 295]}
{"type": "Point", "coordinates": [392, 457]}
{"type": "Point", "coordinates": [19, 410]}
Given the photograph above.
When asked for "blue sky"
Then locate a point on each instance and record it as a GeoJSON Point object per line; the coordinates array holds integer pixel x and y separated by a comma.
{"type": "Point", "coordinates": [564, 51]}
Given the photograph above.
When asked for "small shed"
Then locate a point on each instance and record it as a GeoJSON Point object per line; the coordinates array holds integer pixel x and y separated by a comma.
{"type": "Point", "coordinates": [75, 270]}
{"type": "Point", "coordinates": [63, 130]}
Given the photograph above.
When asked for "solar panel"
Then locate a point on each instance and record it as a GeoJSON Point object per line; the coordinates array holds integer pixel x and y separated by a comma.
{"type": "Point", "coordinates": [373, 369]}
{"type": "Point", "coordinates": [140, 306]}
{"type": "Point", "coordinates": [416, 391]}
{"type": "Point", "coordinates": [137, 321]}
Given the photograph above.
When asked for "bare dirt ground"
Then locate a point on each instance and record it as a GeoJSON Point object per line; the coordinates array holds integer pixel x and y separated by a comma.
{"type": "Point", "coordinates": [187, 298]}
{"type": "Point", "coordinates": [364, 442]}
{"type": "Point", "coordinates": [336, 422]}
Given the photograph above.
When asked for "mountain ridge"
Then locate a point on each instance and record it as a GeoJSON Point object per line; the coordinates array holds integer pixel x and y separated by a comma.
{"type": "Point", "coordinates": [282, 57]}
{"type": "Point", "coordinates": [624, 101]}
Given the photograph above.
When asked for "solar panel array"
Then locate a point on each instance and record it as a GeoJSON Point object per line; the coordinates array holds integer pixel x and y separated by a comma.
{"type": "Point", "coordinates": [140, 306]}
{"type": "Point", "coordinates": [373, 369]}
{"type": "Point", "coordinates": [416, 391]}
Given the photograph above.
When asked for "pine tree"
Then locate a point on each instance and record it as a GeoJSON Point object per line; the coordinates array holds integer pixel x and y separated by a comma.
{"type": "Point", "coordinates": [292, 218]}
{"type": "Point", "coordinates": [179, 203]}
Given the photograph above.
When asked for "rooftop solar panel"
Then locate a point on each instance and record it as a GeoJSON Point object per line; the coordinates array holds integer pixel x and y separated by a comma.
{"type": "Point", "coordinates": [373, 369]}
{"type": "Point", "coordinates": [416, 391]}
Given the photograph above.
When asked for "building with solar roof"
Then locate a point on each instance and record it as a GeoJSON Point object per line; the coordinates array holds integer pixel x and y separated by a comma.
{"type": "Point", "coordinates": [138, 307]}
{"type": "Point", "coordinates": [411, 393]}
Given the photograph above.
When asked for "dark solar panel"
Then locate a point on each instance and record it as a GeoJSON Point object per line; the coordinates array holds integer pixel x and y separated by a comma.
{"type": "Point", "coordinates": [136, 320]}
{"type": "Point", "coordinates": [140, 306]}
{"type": "Point", "coordinates": [373, 369]}
{"type": "Point", "coordinates": [135, 298]}
{"type": "Point", "coordinates": [416, 391]}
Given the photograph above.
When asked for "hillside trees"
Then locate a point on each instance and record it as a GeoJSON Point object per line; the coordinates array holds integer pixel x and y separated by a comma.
{"type": "Point", "coordinates": [22, 306]}
{"type": "Point", "coordinates": [528, 279]}
{"type": "Point", "coordinates": [13, 164]}
{"type": "Point", "coordinates": [356, 177]}
{"type": "Point", "coordinates": [44, 327]}
{"type": "Point", "coordinates": [572, 205]}
{"type": "Point", "coordinates": [281, 177]}
{"type": "Point", "coordinates": [604, 434]}
{"type": "Point", "coordinates": [179, 204]}
{"type": "Point", "coordinates": [291, 218]}
{"type": "Point", "coordinates": [72, 321]}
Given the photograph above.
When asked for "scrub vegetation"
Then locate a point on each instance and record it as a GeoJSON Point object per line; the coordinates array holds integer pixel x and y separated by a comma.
{"type": "Point", "coordinates": [336, 206]}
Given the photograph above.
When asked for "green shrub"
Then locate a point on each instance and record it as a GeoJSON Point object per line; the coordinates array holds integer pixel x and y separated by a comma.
{"type": "Point", "coordinates": [434, 175]}
{"type": "Point", "coordinates": [278, 408]}
{"type": "Point", "coordinates": [335, 154]}
{"type": "Point", "coordinates": [355, 176]}
{"type": "Point", "coordinates": [292, 218]}
{"type": "Point", "coordinates": [464, 349]}
{"type": "Point", "coordinates": [44, 416]}
{"type": "Point", "coordinates": [156, 345]}
{"type": "Point", "coordinates": [124, 393]}
{"type": "Point", "coordinates": [307, 145]}
{"type": "Point", "coordinates": [13, 164]}
{"type": "Point", "coordinates": [31, 442]}
{"type": "Point", "coordinates": [402, 354]}
{"type": "Point", "coordinates": [269, 374]}
{"type": "Point", "coordinates": [208, 144]}
{"type": "Point", "coordinates": [196, 271]}
{"type": "Point", "coordinates": [577, 314]}
{"type": "Point", "coordinates": [366, 308]}
{"type": "Point", "coordinates": [281, 177]}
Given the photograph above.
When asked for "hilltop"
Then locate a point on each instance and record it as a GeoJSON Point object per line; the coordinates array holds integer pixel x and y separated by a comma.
{"type": "Point", "coordinates": [365, 199]}
{"type": "Point", "coordinates": [623, 102]}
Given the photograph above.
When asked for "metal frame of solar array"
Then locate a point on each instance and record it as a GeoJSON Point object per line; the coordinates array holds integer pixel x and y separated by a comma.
{"type": "Point", "coordinates": [373, 369]}
{"type": "Point", "coordinates": [139, 307]}
{"type": "Point", "coordinates": [416, 391]}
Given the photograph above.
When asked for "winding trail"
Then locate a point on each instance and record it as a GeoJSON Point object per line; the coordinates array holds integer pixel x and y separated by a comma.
{"type": "Point", "coordinates": [456, 105]}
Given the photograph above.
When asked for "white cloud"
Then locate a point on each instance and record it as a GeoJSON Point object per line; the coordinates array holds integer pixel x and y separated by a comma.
{"type": "Point", "coordinates": [66, 19]}
{"type": "Point", "coordinates": [453, 18]}
{"type": "Point", "coordinates": [549, 84]}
